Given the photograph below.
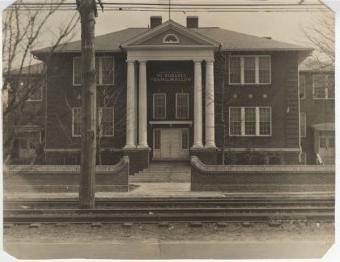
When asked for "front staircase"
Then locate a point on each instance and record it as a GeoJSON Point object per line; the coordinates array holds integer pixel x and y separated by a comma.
{"type": "Point", "coordinates": [163, 172]}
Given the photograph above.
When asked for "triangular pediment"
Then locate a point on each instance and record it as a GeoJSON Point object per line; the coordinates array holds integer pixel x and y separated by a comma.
{"type": "Point", "coordinates": [169, 34]}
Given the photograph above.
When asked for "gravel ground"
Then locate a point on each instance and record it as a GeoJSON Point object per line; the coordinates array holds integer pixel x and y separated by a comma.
{"type": "Point", "coordinates": [288, 231]}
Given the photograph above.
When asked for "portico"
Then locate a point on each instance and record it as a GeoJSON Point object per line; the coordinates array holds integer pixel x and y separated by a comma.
{"type": "Point", "coordinates": [200, 52]}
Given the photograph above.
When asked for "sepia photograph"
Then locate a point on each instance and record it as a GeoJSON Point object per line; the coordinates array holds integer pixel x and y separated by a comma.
{"type": "Point", "coordinates": [168, 129]}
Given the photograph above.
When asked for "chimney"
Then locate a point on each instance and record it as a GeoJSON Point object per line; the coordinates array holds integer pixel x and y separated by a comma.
{"type": "Point", "coordinates": [192, 22]}
{"type": "Point", "coordinates": [155, 21]}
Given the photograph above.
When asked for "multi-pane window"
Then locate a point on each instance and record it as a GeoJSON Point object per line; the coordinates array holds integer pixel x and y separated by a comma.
{"type": "Point", "coordinates": [185, 138]}
{"type": "Point", "coordinates": [323, 86]}
{"type": "Point", "coordinates": [235, 121]}
{"type": "Point", "coordinates": [250, 69]}
{"type": "Point", "coordinates": [265, 120]}
{"type": "Point", "coordinates": [76, 121]}
{"type": "Point", "coordinates": [182, 105]}
{"type": "Point", "coordinates": [250, 121]}
{"type": "Point", "coordinates": [77, 73]}
{"type": "Point", "coordinates": [303, 124]}
{"type": "Point", "coordinates": [235, 69]}
{"type": "Point", "coordinates": [302, 86]}
{"type": "Point", "coordinates": [104, 70]}
{"type": "Point", "coordinates": [159, 106]}
{"type": "Point", "coordinates": [157, 139]}
{"type": "Point", "coordinates": [106, 121]}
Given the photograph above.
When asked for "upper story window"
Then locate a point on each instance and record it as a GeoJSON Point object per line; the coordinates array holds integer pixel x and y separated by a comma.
{"type": "Point", "coordinates": [250, 121]}
{"type": "Point", "coordinates": [302, 86]}
{"type": "Point", "coordinates": [323, 86]}
{"type": "Point", "coordinates": [249, 69]}
{"type": "Point", "coordinates": [159, 106]}
{"type": "Point", "coordinates": [104, 70]}
{"type": "Point", "coordinates": [170, 39]}
{"type": "Point", "coordinates": [182, 105]}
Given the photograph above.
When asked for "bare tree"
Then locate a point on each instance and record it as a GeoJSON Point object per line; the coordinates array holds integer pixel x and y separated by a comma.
{"type": "Point", "coordinates": [321, 35]}
{"type": "Point", "coordinates": [22, 28]}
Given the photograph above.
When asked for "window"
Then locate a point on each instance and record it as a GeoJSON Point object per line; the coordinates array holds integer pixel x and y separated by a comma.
{"type": "Point", "coordinates": [104, 70]}
{"type": "Point", "coordinates": [157, 139]}
{"type": "Point", "coordinates": [185, 138]}
{"type": "Point", "coordinates": [265, 121]}
{"type": "Point", "coordinates": [250, 121]}
{"type": "Point", "coordinates": [35, 94]}
{"type": "Point", "coordinates": [106, 122]}
{"type": "Point", "coordinates": [323, 86]}
{"type": "Point", "coordinates": [235, 121]}
{"type": "Point", "coordinates": [303, 124]}
{"type": "Point", "coordinates": [77, 76]}
{"type": "Point", "coordinates": [170, 39]}
{"type": "Point", "coordinates": [76, 121]}
{"type": "Point", "coordinates": [250, 69]}
{"type": "Point", "coordinates": [182, 105]}
{"type": "Point", "coordinates": [159, 106]}
{"type": "Point", "coordinates": [302, 86]}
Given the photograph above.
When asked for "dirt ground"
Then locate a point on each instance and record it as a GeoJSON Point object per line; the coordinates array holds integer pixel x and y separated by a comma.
{"type": "Point", "coordinates": [288, 231]}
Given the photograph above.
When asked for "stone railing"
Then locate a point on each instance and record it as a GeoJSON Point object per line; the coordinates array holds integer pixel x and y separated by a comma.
{"type": "Point", "coordinates": [255, 178]}
{"type": "Point", "coordinates": [64, 177]}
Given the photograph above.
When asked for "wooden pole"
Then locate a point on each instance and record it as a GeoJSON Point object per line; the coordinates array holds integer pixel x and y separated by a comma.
{"type": "Point", "coordinates": [87, 10]}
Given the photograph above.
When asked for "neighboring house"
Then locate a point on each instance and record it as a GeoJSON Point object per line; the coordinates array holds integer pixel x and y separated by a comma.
{"type": "Point", "coordinates": [160, 95]}
{"type": "Point", "coordinates": [317, 113]}
{"type": "Point", "coordinates": [26, 118]}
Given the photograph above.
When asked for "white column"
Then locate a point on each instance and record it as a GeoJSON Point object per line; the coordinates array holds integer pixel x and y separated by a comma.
{"type": "Point", "coordinates": [143, 131]}
{"type": "Point", "coordinates": [198, 105]}
{"type": "Point", "coordinates": [130, 106]}
{"type": "Point", "coordinates": [209, 105]}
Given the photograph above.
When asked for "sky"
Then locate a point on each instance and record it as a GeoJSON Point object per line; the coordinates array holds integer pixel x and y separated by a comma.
{"type": "Point", "coordinates": [281, 26]}
{"type": "Point", "coordinates": [285, 26]}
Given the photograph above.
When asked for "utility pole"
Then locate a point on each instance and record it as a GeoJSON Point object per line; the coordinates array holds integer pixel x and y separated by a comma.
{"type": "Point", "coordinates": [88, 12]}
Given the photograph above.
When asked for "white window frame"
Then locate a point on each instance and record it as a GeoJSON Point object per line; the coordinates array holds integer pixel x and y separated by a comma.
{"type": "Point", "coordinates": [100, 113]}
{"type": "Point", "coordinates": [73, 72]}
{"type": "Point", "coordinates": [304, 133]}
{"type": "Point", "coordinates": [188, 108]}
{"type": "Point", "coordinates": [100, 82]}
{"type": "Point", "coordinates": [325, 88]}
{"type": "Point", "coordinates": [167, 42]}
{"type": "Point", "coordinates": [73, 118]}
{"type": "Point", "coordinates": [36, 100]}
{"type": "Point", "coordinates": [257, 70]}
{"type": "Point", "coordinates": [100, 70]}
{"type": "Point", "coordinates": [153, 106]}
{"type": "Point", "coordinates": [257, 118]}
{"type": "Point", "coordinates": [304, 86]}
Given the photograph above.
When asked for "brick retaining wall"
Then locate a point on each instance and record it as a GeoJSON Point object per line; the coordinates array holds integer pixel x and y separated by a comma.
{"type": "Point", "coordinates": [268, 178]}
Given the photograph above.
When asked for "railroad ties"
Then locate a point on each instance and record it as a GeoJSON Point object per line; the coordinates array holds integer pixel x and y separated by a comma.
{"type": "Point", "coordinates": [242, 209]}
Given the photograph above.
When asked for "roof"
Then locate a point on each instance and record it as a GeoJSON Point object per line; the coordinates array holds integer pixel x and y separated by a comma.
{"type": "Point", "coordinates": [324, 127]}
{"type": "Point", "coordinates": [229, 40]}
{"type": "Point", "coordinates": [34, 69]}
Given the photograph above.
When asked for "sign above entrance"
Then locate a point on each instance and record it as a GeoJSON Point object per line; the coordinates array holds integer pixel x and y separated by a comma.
{"type": "Point", "coordinates": [171, 76]}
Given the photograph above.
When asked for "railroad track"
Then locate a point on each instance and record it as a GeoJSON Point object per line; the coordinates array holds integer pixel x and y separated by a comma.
{"type": "Point", "coordinates": [231, 209]}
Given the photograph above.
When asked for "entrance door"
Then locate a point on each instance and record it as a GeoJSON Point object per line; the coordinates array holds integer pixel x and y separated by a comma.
{"type": "Point", "coordinates": [171, 143]}
{"type": "Point", "coordinates": [327, 149]}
